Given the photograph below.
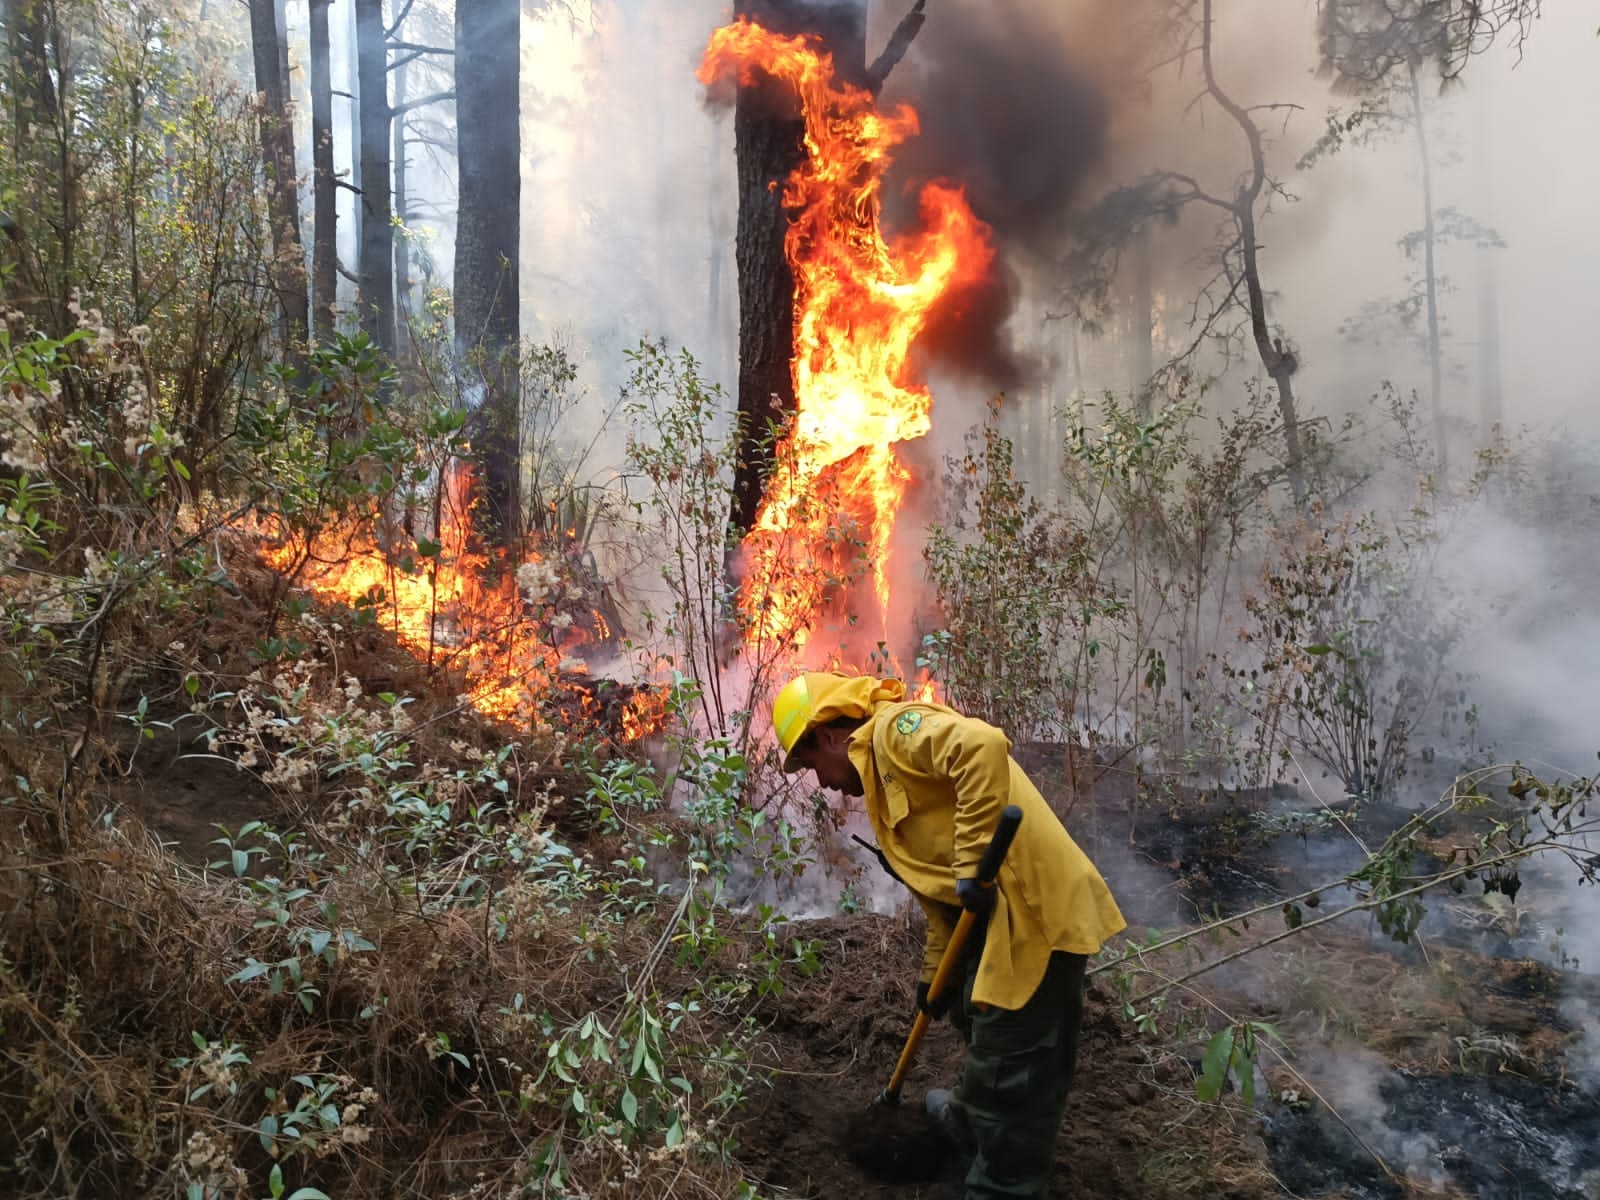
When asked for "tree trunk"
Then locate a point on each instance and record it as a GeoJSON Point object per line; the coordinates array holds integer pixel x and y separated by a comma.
{"type": "Point", "coordinates": [47, 199]}
{"type": "Point", "coordinates": [1490, 411]}
{"type": "Point", "coordinates": [1430, 280]}
{"type": "Point", "coordinates": [1279, 362]}
{"type": "Point", "coordinates": [324, 189]}
{"type": "Point", "coordinates": [375, 258]}
{"type": "Point", "coordinates": [716, 221]}
{"type": "Point", "coordinates": [1143, 309]}
{"type": "Point", "coordinates": [287, 270]}
{"type": "Point", "coordinates": [768, 146]}
{"type": "Point", "coordinates": [488, 241]}
{"type": "Point", "coordinates": [402, 249]}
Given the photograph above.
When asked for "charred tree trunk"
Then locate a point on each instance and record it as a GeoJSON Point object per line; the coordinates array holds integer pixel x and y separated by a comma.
{"type": "Point", "coordinates": [375, 257]}
{"type": "Point", "coordinates": [288, 271]}
{"type": "Point", "coordinates": [324, 189]}
{"type": "Point", "coordinates": [768, 146]}
{"type": "Point", "coordinates": [488, 238]}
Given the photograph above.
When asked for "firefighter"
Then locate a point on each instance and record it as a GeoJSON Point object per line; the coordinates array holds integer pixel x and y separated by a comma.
{"type": "Point", "coordinates": [934, 783]}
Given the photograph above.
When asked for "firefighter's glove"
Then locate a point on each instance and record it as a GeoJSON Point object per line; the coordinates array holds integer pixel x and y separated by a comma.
{"type": "Point", "coordinates": [936, 1008]}
{"type": "Point", "coordinates": [975, 897]}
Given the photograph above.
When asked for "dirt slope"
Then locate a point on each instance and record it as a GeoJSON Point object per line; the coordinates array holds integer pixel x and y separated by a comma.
{"type": "Point", "coordinates": [1133, 1128]}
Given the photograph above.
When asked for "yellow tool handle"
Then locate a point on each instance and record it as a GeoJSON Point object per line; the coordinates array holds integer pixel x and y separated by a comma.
{"type": "Point", "coordinates": [947, 968]}
{"type": "Point", "coordinates": [1005, 831]}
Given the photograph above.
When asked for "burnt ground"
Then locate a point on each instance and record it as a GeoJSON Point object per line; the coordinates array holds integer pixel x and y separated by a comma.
{"type": "Point", "coordinates": [1133, 1128]}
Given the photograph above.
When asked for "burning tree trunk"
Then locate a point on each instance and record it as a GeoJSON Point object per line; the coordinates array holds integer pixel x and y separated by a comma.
{"type": "Point", "coordinates": [375, 257]}
{"type": "Point", "coordinates": [277, 153]}
{"type": "Point", "coordinates": [820, 553]}
{"type": "Point", "coordinates": [768, 146]}
{"type": "Point", "coordinates": [488, 235]}
{"type": "Point", "coordinates": [324, 203]}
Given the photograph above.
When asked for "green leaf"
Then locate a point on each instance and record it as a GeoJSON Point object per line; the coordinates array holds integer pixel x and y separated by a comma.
{"type": "Point", "coordinates": [1214, 1066]}
{"type": "Point", "coordinates": [1319, 650]}
{"type": "Point", "coordinates": [630, 1107]}
{"type": "Point", "coordinates": [675, 1132]}
{"type": "Point", "coordinates": [309, 1193]}
{"type": "Point", "coordinates": [267, 1131]}
{"type": "Point", "coordinates": [1244, 1068]}
{"type": "Point", "coordinates": [579, 1104]}
{"type": "Point", "coordinates": [275, 1181]}
{"type": "Point", "coordinates": [253, 971]}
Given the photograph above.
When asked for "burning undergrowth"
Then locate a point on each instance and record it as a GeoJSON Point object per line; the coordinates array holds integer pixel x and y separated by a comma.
{"type": "Point", "coordinates": [518, 631]}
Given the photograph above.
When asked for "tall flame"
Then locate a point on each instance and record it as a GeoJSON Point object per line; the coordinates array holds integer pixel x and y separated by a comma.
{"type": "Point", "coordinates": [860, 303]}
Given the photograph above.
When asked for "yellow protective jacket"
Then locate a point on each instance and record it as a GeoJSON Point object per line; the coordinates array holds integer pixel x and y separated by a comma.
{"type": "Point", "coordinates": [936, 782]}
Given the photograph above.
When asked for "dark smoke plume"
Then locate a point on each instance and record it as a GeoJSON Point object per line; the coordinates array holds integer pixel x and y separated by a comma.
{"type": "Point", "coordinates": [1006, 113]}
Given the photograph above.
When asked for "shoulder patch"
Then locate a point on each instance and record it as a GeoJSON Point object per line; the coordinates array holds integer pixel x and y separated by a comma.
{"type": "Point", "coordinates": [908, 722]}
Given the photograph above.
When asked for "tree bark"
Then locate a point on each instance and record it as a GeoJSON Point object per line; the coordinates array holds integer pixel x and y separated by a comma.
{"type": "Point", "coordinates": [1430, 280]}
{"type": "Point", "coordinates": [324, 189]}
{"type": "Point", "coordinates": [375, 256]}
{"type": "Point", "coordinates": [287, 271]}
{"type": "Point", "coordinates": [488, 241]}
{"type": "Point", "coordinates": [768, 146]}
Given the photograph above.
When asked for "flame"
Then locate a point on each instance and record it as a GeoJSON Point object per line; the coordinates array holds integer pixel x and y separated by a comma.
{"type": "Point", "coordinates": [829, 511]}
{"type": "Point", "coordinates": [645, 712]}
{"type": "Point", "coordinates": [510, 633]}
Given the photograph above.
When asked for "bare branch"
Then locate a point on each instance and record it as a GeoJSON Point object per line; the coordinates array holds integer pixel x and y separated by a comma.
{"type": "Point", "coordinates": [422, 49]}
{"type": "Point", "coordinates": [895, 49]}
{"type": "Point", "coordinates": [420, 101]}
{"type": "Point", "coordinates": [400, 19]}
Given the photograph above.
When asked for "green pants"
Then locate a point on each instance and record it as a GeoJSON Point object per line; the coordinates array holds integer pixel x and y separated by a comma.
{"type": "Point", "coordinates": [1007, 1108]}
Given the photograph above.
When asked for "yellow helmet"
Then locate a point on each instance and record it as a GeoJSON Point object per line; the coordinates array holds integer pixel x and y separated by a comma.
{"type": "Point", "coordinates": [791, 714]}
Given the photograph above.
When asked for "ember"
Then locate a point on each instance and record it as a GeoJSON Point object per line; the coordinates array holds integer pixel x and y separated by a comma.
{"type": "Point", "coordinates": [860, 303]}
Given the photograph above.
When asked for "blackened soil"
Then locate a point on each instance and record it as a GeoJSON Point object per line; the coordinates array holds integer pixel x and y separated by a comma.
{"type": "Point", "coordinates": [1501, 1137]}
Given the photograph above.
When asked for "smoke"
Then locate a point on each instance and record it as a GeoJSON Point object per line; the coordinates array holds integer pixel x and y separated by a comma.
{"type": "Point", "coordinates": [1005, 111]}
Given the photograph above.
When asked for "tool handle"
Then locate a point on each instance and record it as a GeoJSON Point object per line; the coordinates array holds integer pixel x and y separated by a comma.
{"type": "Point", "coordinates": [1005, 831]}
{"type": "Point", "coordinates": [947, 967]}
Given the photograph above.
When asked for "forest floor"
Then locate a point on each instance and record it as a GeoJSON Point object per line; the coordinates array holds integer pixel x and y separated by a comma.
{"type": "Point", "coordinates": [1440, 1028]}
{"type": "Point", "coordinates": [1454, 1068]}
